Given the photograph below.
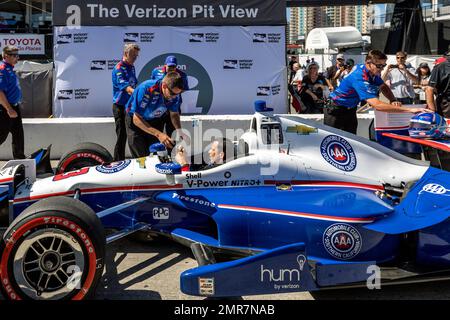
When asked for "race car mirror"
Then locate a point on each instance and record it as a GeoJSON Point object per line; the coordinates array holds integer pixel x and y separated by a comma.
{"type": "Point", "coordinates": [271, 133]}
{"type": "Point", "coordinates": [160, 150]}
{"type": "Point", "coordinates": [170, 169]}
{"type": "Point", "coordinates": [157, 147]}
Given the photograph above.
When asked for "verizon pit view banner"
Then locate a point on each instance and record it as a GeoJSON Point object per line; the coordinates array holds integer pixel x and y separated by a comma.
{"type": "Point", "coordinates": [228, 67]}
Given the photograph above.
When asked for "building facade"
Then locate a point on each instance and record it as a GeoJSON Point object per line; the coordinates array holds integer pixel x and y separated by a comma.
{"type": "Point", "coordinates": [304, 19]}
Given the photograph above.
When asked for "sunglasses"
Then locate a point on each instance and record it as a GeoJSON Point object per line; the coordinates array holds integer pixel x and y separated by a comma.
{"type": "Point", "coordinates": [171, 93]}
{"type": "Point", "coordinates": [15, 55]}
{"type": "Point", "coordinates": [401, 57]}
{"type": "Point", "coordinates": [379, 66]}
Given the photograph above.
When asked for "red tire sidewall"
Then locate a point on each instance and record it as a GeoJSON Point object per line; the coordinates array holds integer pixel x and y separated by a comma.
{"type": "Point", "coordinates": [66, 225]}
{"type": "Point", "coordinates": [79, 155]}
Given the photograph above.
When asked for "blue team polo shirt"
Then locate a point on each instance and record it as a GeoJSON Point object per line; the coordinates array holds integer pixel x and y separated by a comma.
{"type": "Point", "coordinates": [148, 101]}
{"type": "Point", "coordinates": [123, 76]}
{"type": "Point", "coordinates": [9, 83]}
{"type": "Point", "coordinates": [357, 86]}
{"type": "Point", "coordinates": [159, 73]}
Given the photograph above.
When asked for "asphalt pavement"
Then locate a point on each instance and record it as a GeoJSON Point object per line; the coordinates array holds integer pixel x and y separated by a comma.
{"type": "Point", "coordinates": [151, 271]}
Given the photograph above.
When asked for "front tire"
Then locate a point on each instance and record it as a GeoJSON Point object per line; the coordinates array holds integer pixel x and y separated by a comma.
{"type": "Point", "coordinates": [54, 250]}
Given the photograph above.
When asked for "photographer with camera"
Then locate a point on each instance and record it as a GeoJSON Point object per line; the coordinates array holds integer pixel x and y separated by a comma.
{"type": "Point", "coordinates": [333, 73]}
{"type": "Point", "coordinates": [401, 78]}
{"type": "Point", "coordinates": [314, 89]}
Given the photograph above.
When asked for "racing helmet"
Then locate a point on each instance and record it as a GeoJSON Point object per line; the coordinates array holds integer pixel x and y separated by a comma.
{"type": "Point", "coordinates": [427, 125]}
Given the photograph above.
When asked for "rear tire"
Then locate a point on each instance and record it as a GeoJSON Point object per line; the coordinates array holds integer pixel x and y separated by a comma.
{"type": "Point", "coordinates": [86, 154]}
{"type": "Point", "coordinates": [54, 250]}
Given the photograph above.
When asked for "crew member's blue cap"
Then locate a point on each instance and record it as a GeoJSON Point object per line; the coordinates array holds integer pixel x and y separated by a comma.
{"type": "Point", "coordinates": [260, 106]}
{"type": "Point", "coordinates": [171, 61]}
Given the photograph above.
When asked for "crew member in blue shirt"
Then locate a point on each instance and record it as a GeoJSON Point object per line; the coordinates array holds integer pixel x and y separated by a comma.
{"type": "Point", "coordinates": [363, 83]}
{"type": "Point", "coordinates": [145, 110]}
{"type": "Point", "coordinates": [170, 65]}
{"type": "Point", "coordinates": [124, 82]}
{"type": "Point", "coordinates": [10, 97]}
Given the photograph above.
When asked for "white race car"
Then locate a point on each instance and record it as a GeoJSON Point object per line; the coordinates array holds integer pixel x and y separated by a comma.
{"type": "Point", "coordinates": [301, 207]}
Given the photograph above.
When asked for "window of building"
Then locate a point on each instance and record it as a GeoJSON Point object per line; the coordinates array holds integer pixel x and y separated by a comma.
{"type": "Point", "coordinates": [12, 17]}
{"type": "Point", "coordinates": [26, 16]}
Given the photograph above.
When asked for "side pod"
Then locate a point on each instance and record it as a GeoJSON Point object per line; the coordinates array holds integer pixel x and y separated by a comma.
{"type": "Point", "coordinates": [427, 204]}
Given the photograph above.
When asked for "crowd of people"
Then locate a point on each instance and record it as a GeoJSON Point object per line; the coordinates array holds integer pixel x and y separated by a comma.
{"type": "Point", "coordinates": [343, 87]}
{"type": "Point", "coordinates": [15, 26]}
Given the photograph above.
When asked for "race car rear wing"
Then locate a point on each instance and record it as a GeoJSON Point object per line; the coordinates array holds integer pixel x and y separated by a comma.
{"type": "Point", "coordinates": [8, 173]}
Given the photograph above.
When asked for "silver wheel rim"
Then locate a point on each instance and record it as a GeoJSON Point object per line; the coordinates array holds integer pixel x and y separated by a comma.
{"type": "Point", "coordinates": [48, 264]}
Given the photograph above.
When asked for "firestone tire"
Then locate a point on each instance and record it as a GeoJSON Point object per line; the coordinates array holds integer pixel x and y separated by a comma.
{"type": "Point", "coordinates": [85, 154]}
{"type": "Point", "coordinates": [54, 250]}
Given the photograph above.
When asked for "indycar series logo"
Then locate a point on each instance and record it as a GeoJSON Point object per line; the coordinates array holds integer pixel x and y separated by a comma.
{"type": "Point", "coordinates": [135, 37]}
{"type": "Point", "coordinates": [266, 37]}
{"type": "Point", "coordinates": [101, 65]}
{"type": "Point", "coordinates": [113, 167]}
{"type": "Point", "coordinates": [342, 241]}
{"type": "Point", "coordinates": [246, 64]}
{"type": "Point", "coordinates": [69, 38]}
{"type": "Point", "coordinates": [211, 37]}
{"type": "Point", "coordinates": [268, 90]}
{"type": "Point", "coordinates": [98, 65]}
{"type": "Point", "coordinates": [339, 153]}
{"type": "Point", "coordinates": [69, 94]}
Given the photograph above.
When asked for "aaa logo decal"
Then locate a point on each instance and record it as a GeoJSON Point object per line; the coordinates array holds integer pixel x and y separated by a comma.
{"type": "Point", "coordinates": [342, 241]}
{"type": "Point", "coordinates": [113, 167]}
{"type": "Point", "coordinates": [435, 188]}
{"type": "Point", "coordinates": [339, 153]}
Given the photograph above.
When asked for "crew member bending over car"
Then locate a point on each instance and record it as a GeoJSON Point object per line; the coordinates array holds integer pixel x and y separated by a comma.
{"type": "Point", "coordinates": [364, 83]}
{"type": "Point", "coordinates": [170, 65]}
{"type": "Point", "coordinates": [145, 109]}
{"type": "Point", "coordinates": [220, 151]}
